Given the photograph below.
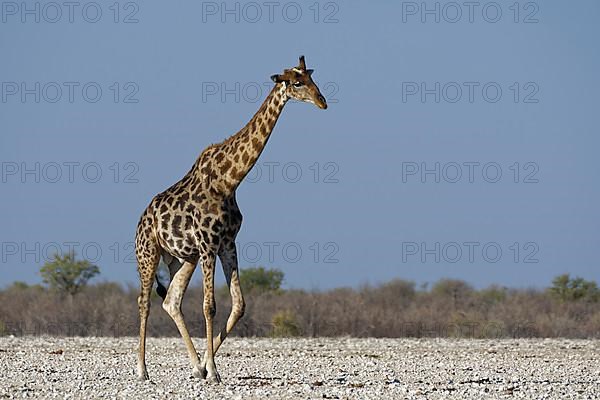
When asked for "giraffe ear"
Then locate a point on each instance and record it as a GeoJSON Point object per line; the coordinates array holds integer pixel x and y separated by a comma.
{"type": "Point", "coordinates": [310, 71]}
{"type": "Point", "coordinates": [276, 78]}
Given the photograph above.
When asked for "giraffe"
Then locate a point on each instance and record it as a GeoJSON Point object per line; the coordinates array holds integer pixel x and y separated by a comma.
{"type": "Point", "coordinates": [197, 219]}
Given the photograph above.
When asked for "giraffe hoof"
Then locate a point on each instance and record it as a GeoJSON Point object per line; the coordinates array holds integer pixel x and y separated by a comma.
{"type": "Point", "coordinates": [214, 378]}
{"type": "Point", "coordinates": [199, 373]}
{"type": "Point", "coordinates": [143, 375]}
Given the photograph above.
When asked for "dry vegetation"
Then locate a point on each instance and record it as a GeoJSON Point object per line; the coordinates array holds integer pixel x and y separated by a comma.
{"type": "Point", "coordinates": [396, 309]}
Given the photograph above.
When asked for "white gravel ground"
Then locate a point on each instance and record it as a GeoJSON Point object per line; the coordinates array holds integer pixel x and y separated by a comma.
{"type": "Point", "coordinates": [343, 368]}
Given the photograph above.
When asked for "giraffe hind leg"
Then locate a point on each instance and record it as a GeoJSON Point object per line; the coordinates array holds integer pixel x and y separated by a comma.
{"type": "Point", "coordinates": [172, 305]}
{"type": "Point", "coordinates": [147, 253]}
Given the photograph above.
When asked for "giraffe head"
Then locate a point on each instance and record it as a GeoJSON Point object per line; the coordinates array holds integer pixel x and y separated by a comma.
{"type": "Point", "coordinates": [300, 86]}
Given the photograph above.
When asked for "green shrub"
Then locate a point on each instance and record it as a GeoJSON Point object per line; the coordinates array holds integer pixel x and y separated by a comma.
{"type": "Point", "coordinates": [67, 275]}
{"type": "Point", "coordinates": [260, 279]}
{"type": "Point", "coordinates": [566, 289]}
{"type": "Point", "coordinates": [285, 324]}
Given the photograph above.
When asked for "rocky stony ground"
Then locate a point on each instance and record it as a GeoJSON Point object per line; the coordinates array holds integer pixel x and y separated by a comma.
{"type": "Point", "coordinates": [343, 368]}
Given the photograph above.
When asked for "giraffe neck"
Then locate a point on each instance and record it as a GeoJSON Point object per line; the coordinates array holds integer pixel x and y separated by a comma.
{"type": "Point", "coordinates": [233, 158]}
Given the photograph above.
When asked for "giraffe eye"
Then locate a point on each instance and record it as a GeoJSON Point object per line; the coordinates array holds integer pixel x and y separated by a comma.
{"type": "Point", "coordinates": [297, 84]}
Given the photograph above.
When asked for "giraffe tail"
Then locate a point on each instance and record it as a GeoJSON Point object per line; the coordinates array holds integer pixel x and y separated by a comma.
{"type": "Point", "coordinates": [160, 288]}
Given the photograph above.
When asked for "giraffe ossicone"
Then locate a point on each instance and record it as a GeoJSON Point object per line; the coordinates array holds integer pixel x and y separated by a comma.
{"type": "Point", "coordinates": [197, 220]}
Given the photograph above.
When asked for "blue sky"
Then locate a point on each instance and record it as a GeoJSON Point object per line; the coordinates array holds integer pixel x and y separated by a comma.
{"type": "Point", "coordinates": [464, 148]}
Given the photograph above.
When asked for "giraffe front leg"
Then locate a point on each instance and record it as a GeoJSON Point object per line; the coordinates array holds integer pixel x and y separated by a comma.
{"type": "Point", "coordinates": [208, 269]}
{"type": "Point", "coordinates": [228, 256]}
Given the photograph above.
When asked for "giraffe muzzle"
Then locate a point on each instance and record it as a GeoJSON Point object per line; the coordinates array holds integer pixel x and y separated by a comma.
{"type": "Point", "coordinates": [322, 103]}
